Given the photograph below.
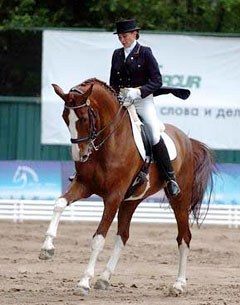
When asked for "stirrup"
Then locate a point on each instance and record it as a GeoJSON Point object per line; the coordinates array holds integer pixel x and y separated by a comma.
{"type": "Point", "coordinates": [172, 188]}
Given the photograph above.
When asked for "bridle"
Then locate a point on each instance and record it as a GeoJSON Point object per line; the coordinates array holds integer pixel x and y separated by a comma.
{"type": "Point", "coordinates": [93, 133]}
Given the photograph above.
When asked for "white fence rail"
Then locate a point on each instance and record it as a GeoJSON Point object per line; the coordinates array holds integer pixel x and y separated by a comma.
{"type": "Point", "coordinates": [20, 210]}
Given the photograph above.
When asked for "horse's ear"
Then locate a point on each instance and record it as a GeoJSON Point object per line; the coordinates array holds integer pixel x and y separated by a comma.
{"type": "Point", "coordinates": [59, 91]}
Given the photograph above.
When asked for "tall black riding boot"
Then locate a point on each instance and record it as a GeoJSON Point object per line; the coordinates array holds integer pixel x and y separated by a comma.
{"type": "Point", "coordinates": [161, 157]}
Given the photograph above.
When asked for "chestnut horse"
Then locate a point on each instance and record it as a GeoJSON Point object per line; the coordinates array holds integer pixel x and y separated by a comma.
{"type": "Point", "coordinates": [107, 161]}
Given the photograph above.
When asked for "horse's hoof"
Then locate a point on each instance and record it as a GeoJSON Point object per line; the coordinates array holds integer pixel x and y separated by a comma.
{"type": "Point", "coordinates": [177, 289]}
{"type": "Point", "coordinates": [101, 284]}
{"type": "Point", "coordinates": [173, 291]}
{"type": "Point", "coordinates": [81, 291]}
{"type": "Point", "coordinates": [46, 254]}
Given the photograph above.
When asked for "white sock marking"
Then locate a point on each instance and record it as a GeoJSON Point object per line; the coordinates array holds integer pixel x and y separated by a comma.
{"type": "Point", "coordinates": [112, 263]}
{"type": "Point", "coordinates": [183, 255]}
{"type": "Point", "coordinates": [96, 247]}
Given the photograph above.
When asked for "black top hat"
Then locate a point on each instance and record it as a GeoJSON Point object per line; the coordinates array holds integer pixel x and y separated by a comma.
{"type": "Point", "coordinates": [126, 26]}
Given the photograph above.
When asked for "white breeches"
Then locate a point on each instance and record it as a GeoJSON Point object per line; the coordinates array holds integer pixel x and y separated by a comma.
{"type": "Point", "coordinates": [146, 108]}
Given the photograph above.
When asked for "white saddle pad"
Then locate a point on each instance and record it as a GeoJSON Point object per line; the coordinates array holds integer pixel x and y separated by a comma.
{"type": "Point", "coordinates": [136, 123]}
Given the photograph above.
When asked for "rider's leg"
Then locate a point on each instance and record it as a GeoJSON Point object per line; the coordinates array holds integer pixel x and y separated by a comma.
{"type": "Point", "coordinates": [147, 110]}
{"type": "Point", "coordinates": [161, 157]}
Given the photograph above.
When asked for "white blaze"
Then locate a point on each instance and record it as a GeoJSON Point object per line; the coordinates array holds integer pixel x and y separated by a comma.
{"type": "Point", "coordinates": [73, 132]}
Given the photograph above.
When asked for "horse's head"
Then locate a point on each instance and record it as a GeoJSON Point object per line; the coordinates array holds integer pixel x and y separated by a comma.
{"type": "Point", "coordinates": [92, 113]}
{"type": "Point", "coordinates": [79, 117]}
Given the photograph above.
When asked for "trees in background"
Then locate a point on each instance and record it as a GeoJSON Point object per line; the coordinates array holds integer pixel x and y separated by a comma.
{"type": "Point", "coordinates": [20, 38]}
{"type": "Point", "coordinates": [221, 16]}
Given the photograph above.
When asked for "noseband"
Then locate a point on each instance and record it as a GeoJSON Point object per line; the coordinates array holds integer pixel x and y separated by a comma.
{"type": "Point", "coordinates": [93, 134]}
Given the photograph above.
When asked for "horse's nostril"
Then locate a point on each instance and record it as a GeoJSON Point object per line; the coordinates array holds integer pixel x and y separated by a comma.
{"type": "Point", "coordinates": [84, 158]}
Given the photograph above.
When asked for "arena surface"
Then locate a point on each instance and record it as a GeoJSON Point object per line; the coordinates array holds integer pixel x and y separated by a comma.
{"type": "Point", "coordinates": [146, 270]}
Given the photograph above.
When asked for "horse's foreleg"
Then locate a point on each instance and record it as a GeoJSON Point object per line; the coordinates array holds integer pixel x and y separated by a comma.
{"type": "Point", "coordinates": [110, 209]}
{"type": "Point", "coordinates": [83, 286]}
{"type": "Point", "coordinates": [125, 213]}
{"type": "Point", "coordinates": [75, 192]}
{"type": "Point", "coordinates": [47, 250]}
{"type": "Point", "coordinates": [104, 280]}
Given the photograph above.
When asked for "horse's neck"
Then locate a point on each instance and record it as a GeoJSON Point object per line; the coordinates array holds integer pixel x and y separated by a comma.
{"type": "Point", "coordinates": [118, 133]}
{"type": "Point", "coordinates": [115, 121]}
{"type": "Point", "coordinates": [108, 110]}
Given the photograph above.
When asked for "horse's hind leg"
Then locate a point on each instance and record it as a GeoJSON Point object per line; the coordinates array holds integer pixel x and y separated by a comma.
{"type": "Point", "coordinates": [125, 213]}
{"type": "Point", "coordinates": [74, 193]}
{"type": "Point", "coordinates": [183, 240]}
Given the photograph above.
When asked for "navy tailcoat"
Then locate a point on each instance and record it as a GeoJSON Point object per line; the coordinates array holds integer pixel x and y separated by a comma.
{"type": "Point", "coordinates": [140, 69]}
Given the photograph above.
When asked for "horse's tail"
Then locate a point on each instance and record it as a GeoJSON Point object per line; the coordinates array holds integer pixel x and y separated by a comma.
{"type": "Point", "coordinates": [204, 167]}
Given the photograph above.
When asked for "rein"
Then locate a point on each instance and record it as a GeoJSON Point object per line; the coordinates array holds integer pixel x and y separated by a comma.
{"type": "Point", "coordinates": [93, 134]}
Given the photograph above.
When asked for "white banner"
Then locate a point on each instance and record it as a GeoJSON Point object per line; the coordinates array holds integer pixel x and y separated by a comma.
{"type": "Point", "coordinates": [209, 66]}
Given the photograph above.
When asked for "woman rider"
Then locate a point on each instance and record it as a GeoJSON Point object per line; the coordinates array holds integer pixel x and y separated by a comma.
{"type": "Point", "coordinates": [135, 73]}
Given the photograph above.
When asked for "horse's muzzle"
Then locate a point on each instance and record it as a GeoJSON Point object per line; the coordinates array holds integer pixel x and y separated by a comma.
{"type": "Point", "coordinates": [81, 154]}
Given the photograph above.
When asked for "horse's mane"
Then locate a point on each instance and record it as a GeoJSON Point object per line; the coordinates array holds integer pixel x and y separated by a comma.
{"type": "Point", "coordinates": [94, 80]}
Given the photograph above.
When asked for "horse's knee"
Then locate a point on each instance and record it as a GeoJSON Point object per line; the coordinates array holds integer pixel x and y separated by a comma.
{"type": "Point", "coordinates": [60, 205]}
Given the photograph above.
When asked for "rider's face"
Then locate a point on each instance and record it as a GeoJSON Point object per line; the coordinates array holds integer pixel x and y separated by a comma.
{"type": "Point", "coordinates": [127, 39]}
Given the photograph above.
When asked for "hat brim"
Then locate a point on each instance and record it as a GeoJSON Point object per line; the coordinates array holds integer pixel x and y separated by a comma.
{"type": "Point", "coordinates": [127, 31]}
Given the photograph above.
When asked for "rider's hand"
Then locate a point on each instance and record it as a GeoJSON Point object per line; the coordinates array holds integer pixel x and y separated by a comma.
{"type": "Point", "coordinates": [128, 95]}
{"type": "Point", "coordinates": [133, 93]}
{"type": "Point", "coordinates": [127, 102]}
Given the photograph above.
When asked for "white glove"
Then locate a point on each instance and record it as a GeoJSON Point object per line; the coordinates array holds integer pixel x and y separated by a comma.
{"type": "Point", "coordinates": [128, 95]}
{"type": "Point", "coordinates": [127, 102]}
{"type": "Point", "coordinates": [133, 93]}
